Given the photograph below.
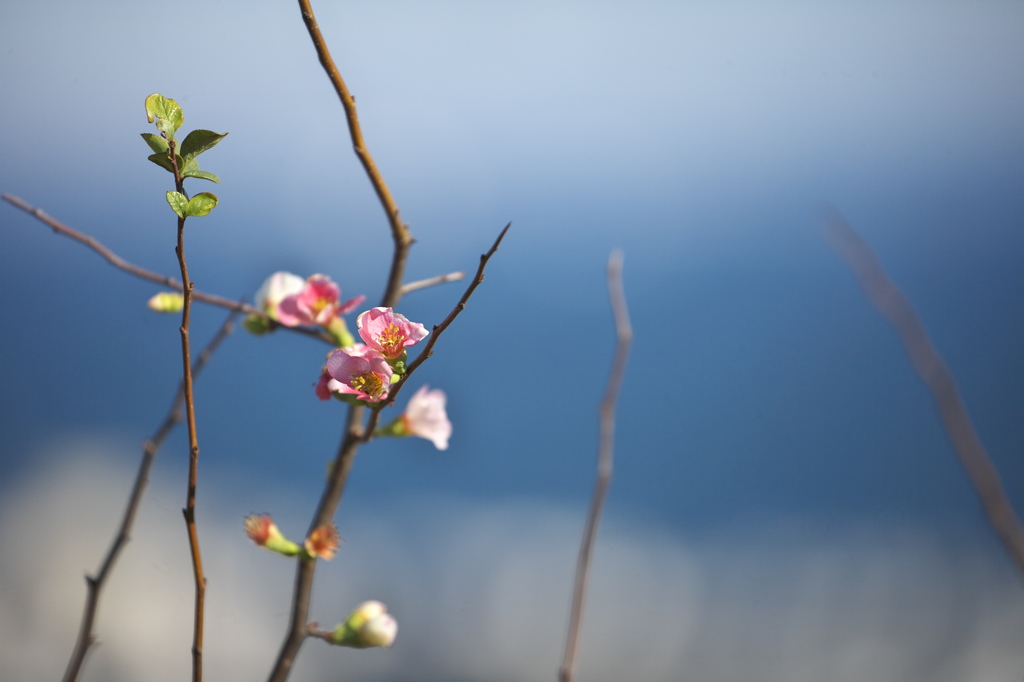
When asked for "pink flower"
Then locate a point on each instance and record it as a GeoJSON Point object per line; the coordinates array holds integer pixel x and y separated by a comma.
{"type": "Point", "coordinates": [316, 303]}
{"type": "Point", "coordinates": [357, 370]}
{"type": "Point", "coordinates": [426, 417]}
{"type": "Point", "coordinates": [388, 332]}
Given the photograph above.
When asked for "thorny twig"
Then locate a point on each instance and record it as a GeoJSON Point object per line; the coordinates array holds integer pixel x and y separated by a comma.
{"type": "Point", "coordinates": [428, 349]}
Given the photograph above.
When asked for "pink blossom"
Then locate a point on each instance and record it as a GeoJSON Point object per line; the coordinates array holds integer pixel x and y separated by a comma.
{"type": "Point", "coordinates": [388, 332]}
{"type": "Point", "coordinates": [357, 370]}
{"type": "Point", "coordinates": [316, 303]}
{"type": "Point", "coordinates": [426, 417]}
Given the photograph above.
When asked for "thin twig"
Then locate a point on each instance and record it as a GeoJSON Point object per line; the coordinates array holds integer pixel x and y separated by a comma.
{"type": "Point", "coordinates": [399, 231]}
{"type": "Point", "coordinates": [86, 637]}
{"type": "Point", "coordinates": [189, 511]}
{"type": "Point", "coordinates": [624, 336]}
{"type": "Point", "coordinates": [432, 281]}
{"type": "Point", "coordinates": [143, 273]}
{"type": "Point", "coordinates": [428, 349]}
{"type": "Point", "coordinates": [897, 310]}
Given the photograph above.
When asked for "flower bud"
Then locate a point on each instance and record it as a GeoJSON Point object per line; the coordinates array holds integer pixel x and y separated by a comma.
{"type": "Point", "coordinates": [322, 542]}
{"type": "Point", "coordinates": [368, 626]}
{"type": "Point", "coordinates": [262, 530]}
{"type": "Point", "coordinates": [166, 302]}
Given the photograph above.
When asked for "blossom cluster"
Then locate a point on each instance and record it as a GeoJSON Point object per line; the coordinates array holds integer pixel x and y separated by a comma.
{"type": "Point", "coordinates": [356, 371]}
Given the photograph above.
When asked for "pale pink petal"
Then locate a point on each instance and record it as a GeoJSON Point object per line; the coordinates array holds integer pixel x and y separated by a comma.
{"type": "Point", "coordinates": [426, 417]}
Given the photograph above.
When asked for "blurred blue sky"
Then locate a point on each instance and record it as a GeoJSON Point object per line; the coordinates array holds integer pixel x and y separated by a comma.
{"type": "Point", "coordinates": [703, 139]}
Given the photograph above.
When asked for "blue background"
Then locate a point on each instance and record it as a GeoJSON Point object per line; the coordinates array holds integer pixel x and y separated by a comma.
{"type": "Point", "coordinates": [703, 140]}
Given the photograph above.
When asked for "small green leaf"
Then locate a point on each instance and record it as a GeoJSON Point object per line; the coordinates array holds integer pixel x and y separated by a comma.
{"type": "Point", "coordinates": [202, 175]}
{"type": "Point", "coordinates": [155, 142]}
{"type": "Point", "coordinates": [201, 204]}
{"type": "Point", "coordinates": [167, 112]}
{"type": "Point", "coordinates": [178, 202]}
{"type": "Point", "coordinates": [164, 161]}
{"type": "Point", "coordinates": [198, 141]}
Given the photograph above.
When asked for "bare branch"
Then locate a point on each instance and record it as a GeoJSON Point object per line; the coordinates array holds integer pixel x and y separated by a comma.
{"type": "Point", "coordinates": [897, 310]}
{"type": "Point", "coordinates": [432, 281]}
{"type": "Point", "coordinates": [624, 337]}
{"type": "Point", "coordinates": [86, 638]}
{"type": "Point", "coordinates": [399, 231]}
{"type": "Point", "coordinates": [149, 275]}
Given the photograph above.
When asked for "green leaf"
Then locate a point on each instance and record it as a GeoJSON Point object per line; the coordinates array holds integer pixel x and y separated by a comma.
{"type": "Point", "coordinates": [202, 175]}
{"type": "Point", "coordinates": [167, 112]}
{"type": "Point", "coordinates": [164, 161]}
{"type": "Point", "coordinates": [155, 142]}
{"type": "Point", "coordinates": [178, 203]}
{"type": "Point", "coordinates": [198, 141]}
{"type": "Point", "coordinates": [201, 204]}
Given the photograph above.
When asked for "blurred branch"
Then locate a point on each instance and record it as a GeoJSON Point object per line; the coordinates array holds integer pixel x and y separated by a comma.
{"type": "Point", "coordinates": [86, 638]}
{"type": "Point", "coordinates": [148, 275]}
{"type": "Point", "coordinates": [897, 310]}
{"type": "Point", "coordinates": [428, 349]}
{"type": "Point", "coordinates": [399, 231]}
{"type": "Point", "coordinates": [624, 337]}
{"type": "Point", "coordinates": [432, 281]}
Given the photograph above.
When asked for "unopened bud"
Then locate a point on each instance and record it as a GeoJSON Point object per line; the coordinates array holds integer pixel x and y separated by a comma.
{"type": "Point", "coordinates": [262, 530]}
{"type": "Point", "coordinates": [368, 626]}
{"type": "Point", "coordinates": [166, 302]}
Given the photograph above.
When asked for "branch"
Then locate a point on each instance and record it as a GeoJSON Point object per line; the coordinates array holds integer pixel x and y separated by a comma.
{"type": "Point", "coordinates": [298, 629]}
{"type": "Point", "coordinates": [428, 349]}
{"type": "Point", "coordinates": [431, 281]}
{"type": "Point", "coordinates": [624, 336]}
{"type": "Point", "coordinates": [898, 312]}
{"type": "Point", "coordinates": [399, 231]}
{"type": "Point", "coordinates": [189, 511]}
{"type": "Point", "coordinates": [86, 638]}
{"type": "Point", "coordinates": [145, 274]}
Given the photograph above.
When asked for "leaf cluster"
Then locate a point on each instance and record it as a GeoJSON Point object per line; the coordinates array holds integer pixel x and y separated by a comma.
{"type": "Point", "coordinates": [169, 117]}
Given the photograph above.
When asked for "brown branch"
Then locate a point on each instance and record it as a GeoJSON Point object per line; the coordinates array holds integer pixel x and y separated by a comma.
{"type": "Point", "coordinates": [86, 638]}
{"type": "Point", "coordinates": [897, 310]}
{"type": "Point", "coordinates": [145, 274]}
{"type": "Point", "coordinates": [189, 511]}
{"type": "Point", "coordinates": [431, 281]}
{"type": "Point", "coordinates": [298, 629]}
{"type": "Point", "coordinates": [428, 349]}
{"type": "Point", "coordinates": [399, 231]}
{"type": "Point", "coordinates": [354, 433]}
{"type": "Point", "coordinates": [624, 337]}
